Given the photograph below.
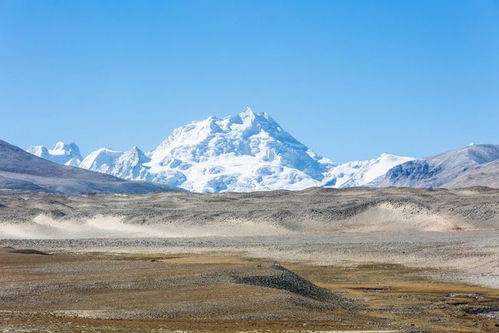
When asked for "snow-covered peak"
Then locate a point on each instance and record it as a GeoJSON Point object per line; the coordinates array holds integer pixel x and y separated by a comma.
{"type": "Point", "coordinates": [243, 152]}
{"type": "Point", "coordinates": [62, 153]}
{"type": "Point", "coordinates": [100, 159]}
{"type": "Point", "coordinates": [136, 155]}
{"type": "Point", "coordinates": [128, 164]}
{"type": "Point", "coordinates": [235, 128]}
{"type": "Point", "coordinates": [40, 151]}
{"type": "Point", "coordinates": [69, 149]}
{"type": "Point", "coordinates": [360, 173]}
{"type": "Point", "coordinates": [247, 113]}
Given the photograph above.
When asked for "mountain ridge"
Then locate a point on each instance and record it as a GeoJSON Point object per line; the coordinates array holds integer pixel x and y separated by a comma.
{"type": "Point", "coordinates": [22, 171]}
{"type": "Point", "coordinates": [440, 170]}
{"type": "Point", "coordinates": [251, 152]}
{"type": "Point", "coordinates": [62, 153]}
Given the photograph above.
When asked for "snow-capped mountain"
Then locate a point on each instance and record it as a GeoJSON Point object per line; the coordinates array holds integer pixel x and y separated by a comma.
{"type": "Point", "coordinates": [361, 173]}
{"type": "Point", "coordinates": [443, 169]}
{"type": "Point", "coordinates": [62, 153]}
{"type": "Point", "coordinates": [21, 172]}
{"type": "Point", "coordinates": [127, 165]}
{"type": "Point", "coordinates": [245, 152]}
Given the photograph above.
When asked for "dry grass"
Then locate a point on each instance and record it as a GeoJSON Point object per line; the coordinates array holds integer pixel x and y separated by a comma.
{"type": "Point", "coordinates": [100, 292]}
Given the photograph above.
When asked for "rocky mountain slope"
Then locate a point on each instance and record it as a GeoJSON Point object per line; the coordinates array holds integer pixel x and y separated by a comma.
{"type": "Point", "coordinates": [454, 168]}
{"type": "Point", "coordinates": [484, 175]}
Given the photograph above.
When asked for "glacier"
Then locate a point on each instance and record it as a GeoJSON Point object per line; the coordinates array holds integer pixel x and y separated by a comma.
{"type": "Point", "coordinates": [240, 153]}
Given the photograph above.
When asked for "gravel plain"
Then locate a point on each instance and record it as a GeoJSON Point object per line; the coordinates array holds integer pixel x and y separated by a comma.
{"type": "Point", "coordinates": [378, 259]}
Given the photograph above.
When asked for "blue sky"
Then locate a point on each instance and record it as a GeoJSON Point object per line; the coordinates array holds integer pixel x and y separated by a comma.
{"type": "Point", "coordinates": [350, 79]}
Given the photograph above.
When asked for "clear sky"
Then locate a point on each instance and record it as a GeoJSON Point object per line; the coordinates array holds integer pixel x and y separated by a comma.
{"type": "Point", "coordinates": [351, 79]}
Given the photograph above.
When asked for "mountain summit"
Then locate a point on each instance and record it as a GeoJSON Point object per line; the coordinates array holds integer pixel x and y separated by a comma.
{"type": "Point", "coordinates": [127, 165]}
{"type": "Point", "coordinates": [62, 153]}
{"type": "Point", "coordinates": [244, 152]}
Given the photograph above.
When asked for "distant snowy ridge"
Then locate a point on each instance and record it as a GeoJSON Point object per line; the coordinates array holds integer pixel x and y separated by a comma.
{"type": "Point", "coordinates": [128, 164]}
{"type": "Point", "coordinates": [361, 173]}
{"type": "Point", "coordinates": [245, 152]}
{"type": "Point", "coordinates": [21, 172]}
{"type": "Point", "coordinates": [62, 153]}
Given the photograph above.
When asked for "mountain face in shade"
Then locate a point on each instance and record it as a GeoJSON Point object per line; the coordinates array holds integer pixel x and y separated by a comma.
{"type": "Point", "coordinates": [450, 169]}
{"type": "Point", "coordinates": [244, 152]}
{"type": "Point", "coordinates": [485, 175]}
{"type": "Point", "coordinates": [22, 171]}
